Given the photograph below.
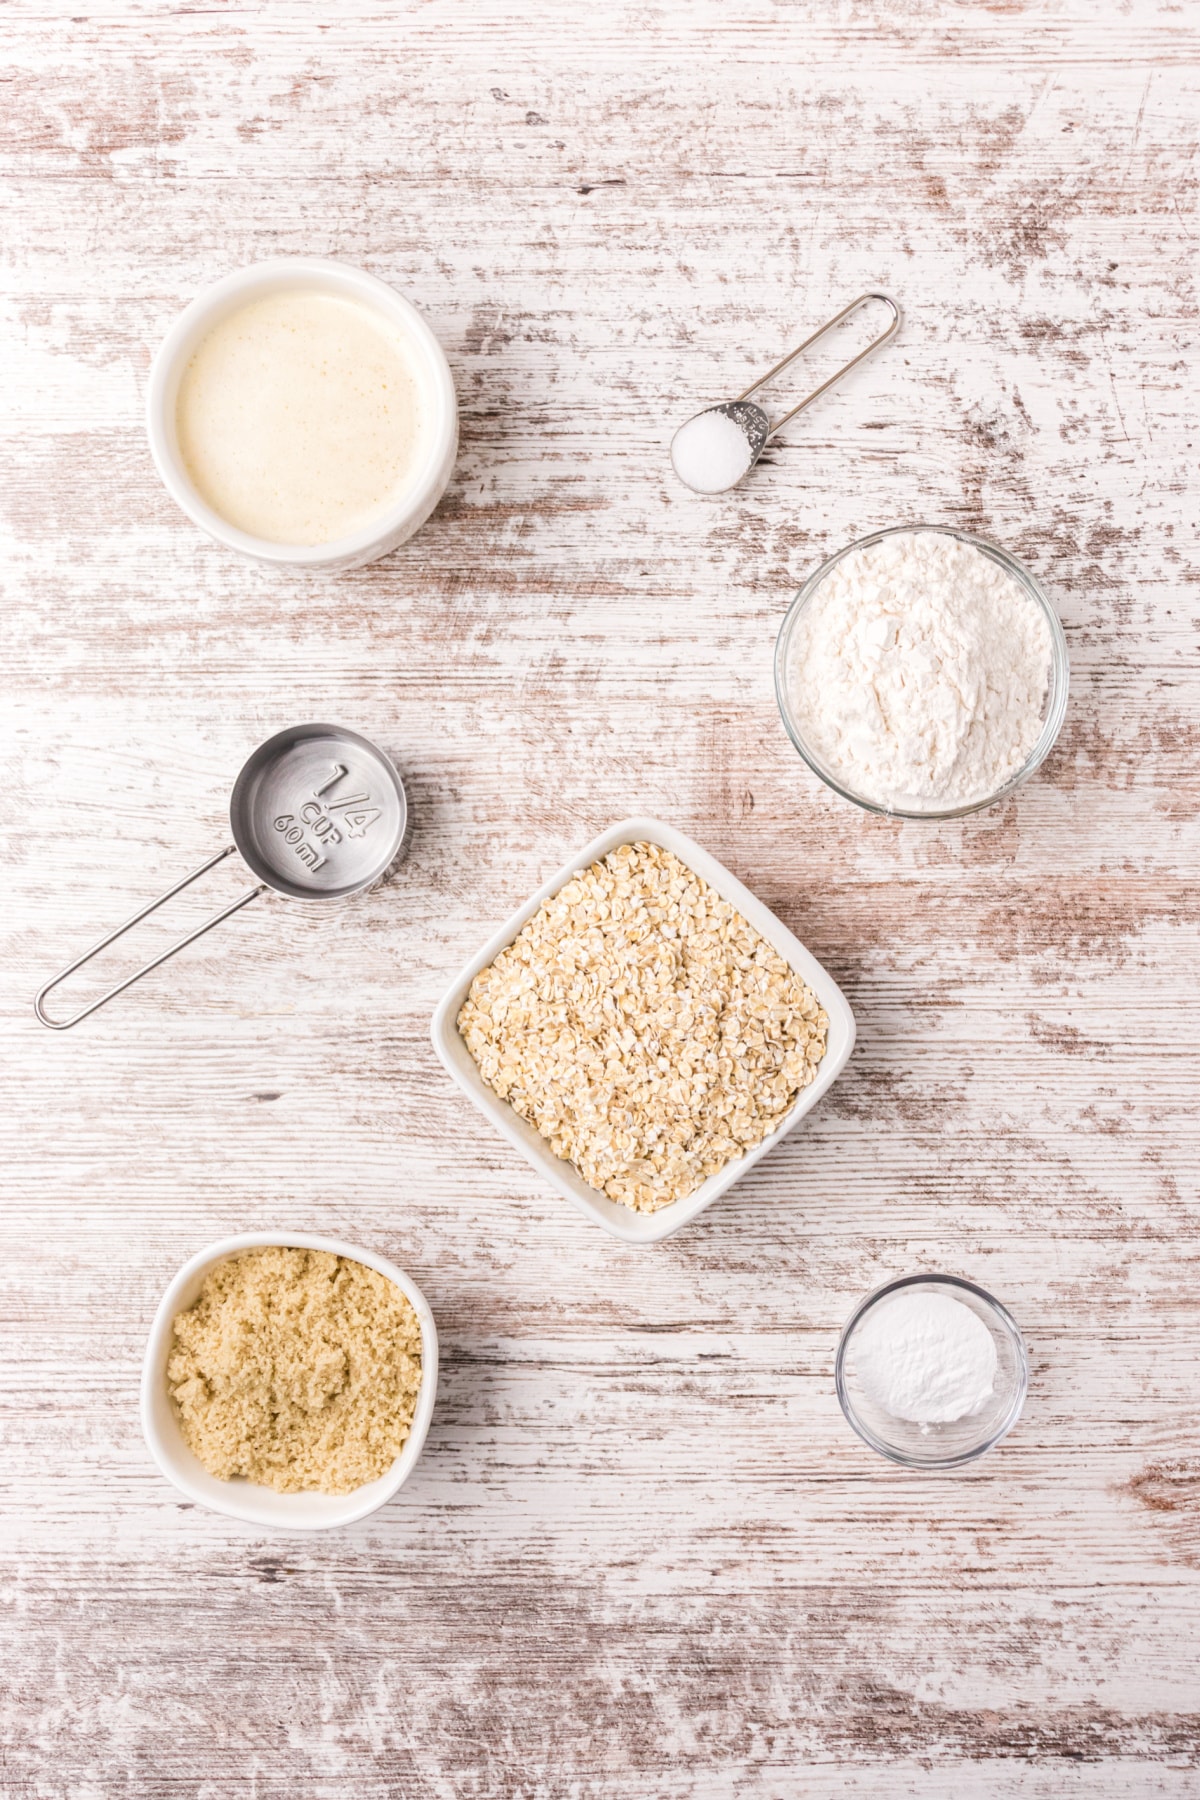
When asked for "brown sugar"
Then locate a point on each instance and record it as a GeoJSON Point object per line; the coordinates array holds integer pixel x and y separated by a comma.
{"type": "Point", "coordinates": [296, 1369]}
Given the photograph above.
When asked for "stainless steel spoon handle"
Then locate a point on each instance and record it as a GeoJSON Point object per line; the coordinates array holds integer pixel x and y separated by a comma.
{"type": "Point", "coordinates": [829, 324]}
{"type": "Point", "coordinates": [234, 906]}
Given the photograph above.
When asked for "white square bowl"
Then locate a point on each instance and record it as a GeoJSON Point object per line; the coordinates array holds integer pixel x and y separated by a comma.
{"type": "Point", "coordinates": [633, 1227]}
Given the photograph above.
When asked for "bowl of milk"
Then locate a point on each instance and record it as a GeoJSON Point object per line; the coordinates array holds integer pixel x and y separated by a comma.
{"type": "Point", "coordinates": [302, 412]}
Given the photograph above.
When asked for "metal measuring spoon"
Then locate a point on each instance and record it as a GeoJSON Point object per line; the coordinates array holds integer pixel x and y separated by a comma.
{"type": "Point", "coordinates": [718, 446]}
{"type": "Point", "coordinates": [318, 812]}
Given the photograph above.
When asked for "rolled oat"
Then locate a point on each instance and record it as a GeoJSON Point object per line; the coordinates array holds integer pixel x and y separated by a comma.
{"type": "Point", "coordinates": [645, 1028]}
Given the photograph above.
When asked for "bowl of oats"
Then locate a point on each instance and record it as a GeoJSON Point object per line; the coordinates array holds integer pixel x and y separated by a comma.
{"type": "Point", "coordinates": [643, 1030]}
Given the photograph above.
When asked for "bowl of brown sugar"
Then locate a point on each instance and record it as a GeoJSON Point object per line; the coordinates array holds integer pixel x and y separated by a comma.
{"type": "Point", "coordinates": [289, 1380]}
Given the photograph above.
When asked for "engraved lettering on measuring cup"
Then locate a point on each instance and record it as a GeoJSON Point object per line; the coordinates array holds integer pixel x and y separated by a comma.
{"type": "Point", "coordinates": [293, 834]}
{"type": "Point", "coordinates": [321, 825]}
{"type": "Point", "coordinates": [358, 815]}
{"type": "Point", "coordinates": [339, 769]}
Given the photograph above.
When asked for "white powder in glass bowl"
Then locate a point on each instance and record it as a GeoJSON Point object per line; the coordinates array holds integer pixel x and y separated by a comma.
{"type": "Point", "coordinates": [918, 672]}
{"type": "Point", "coordinates": [925, 1357]}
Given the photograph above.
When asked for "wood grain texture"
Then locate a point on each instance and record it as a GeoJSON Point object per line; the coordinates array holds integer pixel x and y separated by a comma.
{"type": "Point", "coordinates": [643, 1555]}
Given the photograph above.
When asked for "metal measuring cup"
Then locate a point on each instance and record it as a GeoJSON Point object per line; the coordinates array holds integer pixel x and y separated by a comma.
{"type": "Point", "coordinates": [317, 813]}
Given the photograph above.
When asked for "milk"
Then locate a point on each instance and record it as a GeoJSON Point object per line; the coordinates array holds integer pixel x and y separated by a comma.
{"type": "Point", "coordinates": [299, 417]}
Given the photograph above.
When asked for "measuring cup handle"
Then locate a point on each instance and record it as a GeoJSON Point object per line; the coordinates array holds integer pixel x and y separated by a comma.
{"type": "Point", "coordinates": [875, 344]}
{"type": "Point", "coordinates": [234, 906]}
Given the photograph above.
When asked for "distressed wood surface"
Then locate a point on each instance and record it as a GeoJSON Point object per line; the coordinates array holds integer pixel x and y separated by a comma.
{"type": "Point", "coordinates": [643, 1555]}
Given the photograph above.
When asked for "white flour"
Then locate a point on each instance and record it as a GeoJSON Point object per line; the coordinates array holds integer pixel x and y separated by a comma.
{"type": "Point", "coordinates": [925, 1357]}
{"type": "Point", "coordinates": [918, 672]}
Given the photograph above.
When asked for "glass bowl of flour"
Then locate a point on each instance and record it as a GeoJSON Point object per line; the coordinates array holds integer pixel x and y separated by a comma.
{"type": "Point", "coordinates": [922, 672]}
{"type": "Point", "coordinates": [931, 1371]}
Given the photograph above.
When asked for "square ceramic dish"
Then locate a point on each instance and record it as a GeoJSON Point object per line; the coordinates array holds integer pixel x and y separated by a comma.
{"type": "Point", "coordinates": [246, 1500]}
{"type": "Point", "coordinates": [633, 1227]}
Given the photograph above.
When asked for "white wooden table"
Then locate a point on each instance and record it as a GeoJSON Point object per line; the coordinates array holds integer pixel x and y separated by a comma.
{"type": "Point", "coordinates": [643, 1555]}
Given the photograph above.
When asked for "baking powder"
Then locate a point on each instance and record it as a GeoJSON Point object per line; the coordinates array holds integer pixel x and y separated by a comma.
{"type": "Point", "coordinates": [918, 672]}
{"type": "Point", "coordinates": [925, 1357]}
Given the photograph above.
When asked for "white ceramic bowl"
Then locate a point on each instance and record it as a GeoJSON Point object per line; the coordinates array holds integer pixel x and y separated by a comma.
{"type": "Point", "coordinates": [633, 1227]}
{"type": "Point", "coordinates": [246, 1499]}
{"type": "Point", "coordinates": [390, 528]}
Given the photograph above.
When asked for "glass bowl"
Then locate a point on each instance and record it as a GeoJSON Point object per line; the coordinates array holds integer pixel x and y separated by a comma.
{"type": "Point", "coordinates": [936, 1447]}
{"type": "Point", "coordinates": [1053, 709]}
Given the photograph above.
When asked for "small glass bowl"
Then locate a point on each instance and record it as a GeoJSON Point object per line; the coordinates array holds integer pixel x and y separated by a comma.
{"type": "Point", "coordinates": [936, 1447]}
{"type": "Point", "coordinates": [1053, 710]}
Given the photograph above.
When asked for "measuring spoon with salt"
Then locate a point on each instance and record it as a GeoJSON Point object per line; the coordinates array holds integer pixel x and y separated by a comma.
{"type": "Point", "coordinates": [717, 447]}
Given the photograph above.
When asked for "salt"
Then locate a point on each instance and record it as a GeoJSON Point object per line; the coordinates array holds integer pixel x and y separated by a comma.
{"type": "Point", "coordinates": [711, 452]}
{"type": "Point", "coordinates": [925, 1357]}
